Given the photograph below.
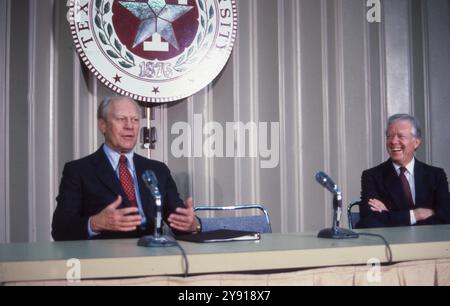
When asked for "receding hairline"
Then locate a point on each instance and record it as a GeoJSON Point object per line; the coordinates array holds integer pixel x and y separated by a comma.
{"type": "Point", "coordinates": [103, 108]}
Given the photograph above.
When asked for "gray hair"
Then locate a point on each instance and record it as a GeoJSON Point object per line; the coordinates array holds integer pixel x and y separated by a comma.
{"type": "Point", "coordinates": [103, 108]}
{"type": "Point", "coordinates": [416, 129]}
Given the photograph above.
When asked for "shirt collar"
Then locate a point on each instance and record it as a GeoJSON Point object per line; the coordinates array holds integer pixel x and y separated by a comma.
{"type": "Point", "coordinates": [409, 167]}
{"type": "Point", "coordinates": [114, 156]}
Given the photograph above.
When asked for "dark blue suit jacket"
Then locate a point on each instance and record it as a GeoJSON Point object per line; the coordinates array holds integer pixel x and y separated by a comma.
{"type": "Point", "coordinates": [90, 184]}
{"type": "Point", "coordinates": [383, 183]}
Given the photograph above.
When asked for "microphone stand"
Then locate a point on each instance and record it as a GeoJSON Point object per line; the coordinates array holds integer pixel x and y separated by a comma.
{"type": "Point", "coordinates": [157, 239]}
{"type": "Point", "coordinates": [335, 232]}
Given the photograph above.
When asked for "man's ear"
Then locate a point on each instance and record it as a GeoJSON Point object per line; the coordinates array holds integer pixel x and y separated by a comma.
{"type": "Point", "coordinates": [101, 123]}
{"type": "Point", "coordinates": [417, 143]}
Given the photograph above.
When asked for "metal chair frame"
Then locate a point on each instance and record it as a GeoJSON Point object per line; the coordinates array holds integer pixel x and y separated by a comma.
{"type": "Point", "coordinates": [349, 213]}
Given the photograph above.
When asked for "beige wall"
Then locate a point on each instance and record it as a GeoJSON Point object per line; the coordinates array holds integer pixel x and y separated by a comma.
{"type": "Point", "coordinates": [315, 66]}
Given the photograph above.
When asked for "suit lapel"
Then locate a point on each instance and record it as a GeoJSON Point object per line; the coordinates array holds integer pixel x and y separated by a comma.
{"type": "Point", "coordinates": [106, 174]}
{"type": "Point", "coordinates": [146, 199]}
{"type": "Point", "coordinates": [419, 183]}
{"type": "Point", "coordinates": [394, 186]}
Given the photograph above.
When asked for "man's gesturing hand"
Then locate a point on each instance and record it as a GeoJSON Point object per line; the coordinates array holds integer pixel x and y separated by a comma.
{"type": "Point", "coordinates": [117, 220]}
{"type": "Point", "coordinates": [184, 218]}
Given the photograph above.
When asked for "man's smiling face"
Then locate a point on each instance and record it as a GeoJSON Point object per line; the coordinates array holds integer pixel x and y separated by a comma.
{"type": "Point", "coordinates": [401, 143]}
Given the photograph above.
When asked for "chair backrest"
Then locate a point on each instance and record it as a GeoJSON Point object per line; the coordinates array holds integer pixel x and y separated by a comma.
{"type": "Point", "coordinates": [353, 216]}
{"type": "Point", "coordinates": [252, 223]}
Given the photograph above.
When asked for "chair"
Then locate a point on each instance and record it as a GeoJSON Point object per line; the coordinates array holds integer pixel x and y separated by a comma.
{"type": "Point", "coordinates": [353, 216]}
{"type": "Point", "coordinates": [252, 223]}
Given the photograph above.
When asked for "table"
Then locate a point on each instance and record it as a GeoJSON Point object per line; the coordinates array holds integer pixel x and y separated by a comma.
{"type": "Point", "coordinates": [101, 259]}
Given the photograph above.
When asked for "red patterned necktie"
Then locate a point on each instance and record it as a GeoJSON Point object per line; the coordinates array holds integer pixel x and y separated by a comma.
{"type": "Point", "coordinates": [127, 180]}
{"type": "Point", "coordinates": [406, 188]}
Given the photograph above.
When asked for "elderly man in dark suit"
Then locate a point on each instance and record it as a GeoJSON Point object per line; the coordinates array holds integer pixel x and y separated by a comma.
{"type": "Point", "coordinates": [102, 195]}
{"type": "Point", "coordinates": [404, 191]}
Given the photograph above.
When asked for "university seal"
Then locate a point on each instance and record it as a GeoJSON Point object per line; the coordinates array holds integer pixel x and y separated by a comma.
{"type": "Point", "coordinates": [154, 50]}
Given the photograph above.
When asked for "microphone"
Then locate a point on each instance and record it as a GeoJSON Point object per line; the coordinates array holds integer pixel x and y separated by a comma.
{"type": "Point", "coordinates": [151, 182]}
{"type": "Point", "coordinates": [335, 232]}
{"type": "Point", "coordinates": [323, 179]}
{"type": "Point", "coordinates": [158, 240]}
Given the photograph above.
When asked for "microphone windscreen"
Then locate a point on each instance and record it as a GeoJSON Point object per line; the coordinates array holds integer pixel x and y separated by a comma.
{"type": "Point", "coordinates": [149, 178]}
{"type": "Point", "coordinates": [323, 179]}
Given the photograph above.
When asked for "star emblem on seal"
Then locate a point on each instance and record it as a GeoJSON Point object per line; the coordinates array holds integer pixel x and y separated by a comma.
{"type": "Point", "coordinates": [156, 16]}
{"type": "Point", "coordinates": [117, 78]}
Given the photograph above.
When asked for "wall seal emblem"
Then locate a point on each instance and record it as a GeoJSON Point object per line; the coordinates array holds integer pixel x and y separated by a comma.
{"type": "Point", "coordinates": [154, 51]}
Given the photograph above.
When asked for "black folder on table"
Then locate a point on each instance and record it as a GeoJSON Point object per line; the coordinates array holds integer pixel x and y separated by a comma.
{"type": "Point", "coordinates": [223, 235]}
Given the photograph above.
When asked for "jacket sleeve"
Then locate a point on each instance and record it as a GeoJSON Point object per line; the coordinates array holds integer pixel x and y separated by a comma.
{"type": "Point", "coordinates": [68, 222]}
{"type": "Point", "coordinates": [441, 198]}
{"type": "Point", "coordinates": [369, 218]}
